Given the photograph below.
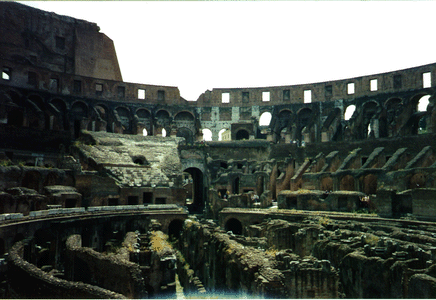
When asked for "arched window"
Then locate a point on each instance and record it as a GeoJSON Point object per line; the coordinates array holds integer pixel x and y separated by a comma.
{"type": "Point", "coordinates": [220, 134]}
{"type": "Point", "coordinates": [423, 103]}
{"type": "Point", "coordinates": [207, 134]}
{"type": "Point", "coordinates": [265, 119]}
{"type": "Point", "coordinates": [349, 112]}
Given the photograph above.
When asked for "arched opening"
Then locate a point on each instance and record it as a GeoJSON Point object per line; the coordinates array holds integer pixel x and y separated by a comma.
{"type": "Point", "coordinates": [175, 228]}
{"type": "Point", "coordinates": [369, 114]}
{"type": "Point", "coordinates": [197, 204]}
{"type": "Point", "coordinates": [124, 118]}
{"type": "Point", "coordinates": [234, 225]}
{"type": "Point", "coordinates": [326, 184]}
{"type": "Point", "coordinates": [265, 119]}
{"type": "Point", "coordinates": [144, 118]}
{"type": "Point", "coordinates": [303, 121]}
{"type": "Point", "coordinates": [235, 185]}
{"type": "Point", "coordinates": [347, 183]}
{"type": "Point", "coordinates": [144, 132]}
{"type": "Point", "coordinates": [79, 111]}
{"type": "Point", "coordinates": [423, 103]}
{"type": "Point", "coordinates": [164, 132]}
{"type": "Point", "coordinates": [421, 109]}
{"type": "Point", "coordinates": [349, 111]}
{"type": "Point", "coordinates": [370, 184]}
{"type": "Point", "coordinates": [220, 134]}
{"type": "Point", "coordinates": [242, 134]}
{"type": "Point", "coordinates": [62, 108]}
{"type": "Point", "coordinates": [207, 134]}
{"type": "Point", "coordinates": [187, 134]}
{"type": "Point", "coordinates": [417, 181]}
{"type": "Point", "coordinates": [393, 110]}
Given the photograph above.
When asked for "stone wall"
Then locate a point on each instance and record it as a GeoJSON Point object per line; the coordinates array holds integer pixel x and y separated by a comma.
{"type": "Point", "coordinates": [225, 266]}
{"type": "Point", "coordinates": [106, 271]}
{"type": "Point", "coordinates": [40, 284]}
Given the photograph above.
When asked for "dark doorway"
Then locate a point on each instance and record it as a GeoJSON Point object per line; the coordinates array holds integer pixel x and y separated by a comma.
{"type": "Point", "coordinates": [132, 200]}
{"type": "Point", "coordinates": [70, 203]}
{"type": "Point", "coordinates": [147, 198]}
{"type": "Point", "coordinates": [197, 205]}
{"type": "Point", "coordinates": [234, 225]}
{"type": "Point", "coordinates": [160, 200]}
{"type": "Point", "coordinates": [235, 186]}
{"type": "Point", "coordinates": [242, 135]}
{"type": "Point", "coordinates": [175, 228]}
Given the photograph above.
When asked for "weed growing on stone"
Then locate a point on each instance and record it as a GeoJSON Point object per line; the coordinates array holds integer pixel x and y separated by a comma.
{"type": "Point", "coordinates": [5, 163]}
{"type": "Point", "coordinates": [371, 239]}
{"type": "Point", "coordinates": [324, 221]}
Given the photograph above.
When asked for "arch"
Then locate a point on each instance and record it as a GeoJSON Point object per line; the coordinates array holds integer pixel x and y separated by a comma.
{"type": "Point", "coordinates": [233, 225]}
{"type": "Point", "coordinates": [304, 117]}
{"type": "Point", "coordinates": [417, 123]}
{"type": "Point", "coordinates": [35, 115]}
{"type": "Point", "coordinates": [184, 116]}
{"type": "Point", "coordinates": [197, 189]}
{"type": "Point", "coordinates": [393, 107]}
{"type": "Point", "coordinates": [124, 117]}
{"type": "Point", "coordinates": [143, 113]}
{"type": "Point", "coordinates": [207, 134]}
{"type": "Point", "coordinates": [163, 121]}
{"type": "Point", "coordinates": [37, 100]}
{"type": "Point", "coordinates": [242, 134]}
{"type": "Point", "coordinates": [15, 97]}
{"type": "Point", "coordinates": [347, 183]}
{"type": "Point", "coordinates": [369, 110]}
{"type": "Point", "coordinates": [79, 110]}
{"type": "Point", "coordinates": [220, 134]}
{"type": "Point", "coordinates": [102, 112]}
{"type": "Point", "coordinates": [61, 107]}
{"type": "Point", "coordinates": [369, 184]}
{"type": "Point", "coordinates": [265, 119]}
{"type": "Point", "coordinates": [175, 228]}
{"type": "Point", "coordinates": [186, 133]}
{"type": "Point", "coordinates": [145, 119]}
{"type": "Point", "coordinates": [417, 181]}
{"type": "Point", "coordinates": [59, 104]}
{"type": "Point", "coordinates": [349, 111]}
{"type": "Point", "coordinates": [326, 184]}
{"type": "Point", "coordinates": [423, 103]}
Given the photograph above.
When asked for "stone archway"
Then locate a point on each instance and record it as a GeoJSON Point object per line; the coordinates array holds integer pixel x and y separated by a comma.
{"type": "Point", "coordinates": [242, 134]}
{"type": "Point", "coordinates": [347, 183]}
{"type": "Point", "coordinates": [198, 200]}
{"type": "Point", "coordinates": [233, 225]}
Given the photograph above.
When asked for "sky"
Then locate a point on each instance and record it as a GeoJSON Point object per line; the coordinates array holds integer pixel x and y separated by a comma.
{"type": "Point", "coordinates": [201, 45]}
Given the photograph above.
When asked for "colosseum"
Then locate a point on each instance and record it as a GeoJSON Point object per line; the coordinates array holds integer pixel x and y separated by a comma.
{"type": "Point", "coordinates": [108, 188]}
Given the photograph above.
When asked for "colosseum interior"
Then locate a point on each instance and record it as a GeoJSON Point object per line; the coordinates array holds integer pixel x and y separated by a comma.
{"type": "Point", "coordinates": [108, 190]}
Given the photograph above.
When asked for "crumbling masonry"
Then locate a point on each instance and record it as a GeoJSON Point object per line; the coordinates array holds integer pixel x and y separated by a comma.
{"type": "Point", "coordinates": [107, 189]}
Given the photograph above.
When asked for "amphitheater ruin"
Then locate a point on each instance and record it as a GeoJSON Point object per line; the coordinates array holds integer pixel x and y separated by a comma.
{"type": "Point", "coordinates": [109, 190]}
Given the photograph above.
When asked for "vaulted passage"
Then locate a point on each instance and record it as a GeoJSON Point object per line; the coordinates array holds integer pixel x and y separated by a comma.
{"type": "Point", "coordinates": [197, 205]}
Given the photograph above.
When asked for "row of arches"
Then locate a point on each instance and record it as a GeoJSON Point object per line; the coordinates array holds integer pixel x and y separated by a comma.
{"type": "Point", "coordinates": [57, 114]}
